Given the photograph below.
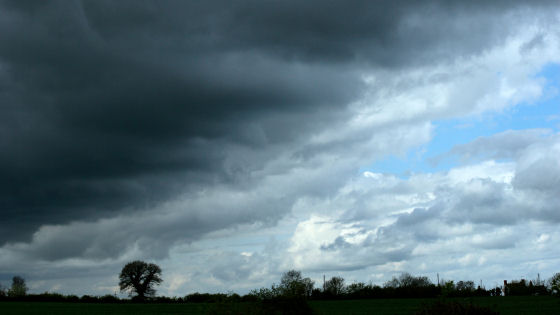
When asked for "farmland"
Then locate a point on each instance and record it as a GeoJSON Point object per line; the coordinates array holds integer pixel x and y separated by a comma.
{"type": "Point", "coordinates": [505, 305]}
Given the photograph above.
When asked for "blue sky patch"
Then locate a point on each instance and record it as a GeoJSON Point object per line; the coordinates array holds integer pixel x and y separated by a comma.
{"type": "Point", "coordinates": [544, 113]}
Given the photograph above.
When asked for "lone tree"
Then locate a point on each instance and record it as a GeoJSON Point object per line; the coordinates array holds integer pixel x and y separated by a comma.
{"type": "Point", "coordinates": [139, 277]}
{"type": "Point", "coordinates": [18, 287]}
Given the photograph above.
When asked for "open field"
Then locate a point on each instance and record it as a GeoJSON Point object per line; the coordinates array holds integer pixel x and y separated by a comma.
{"type": "Point", "coordinates": [100, 308]}
{"type": "Point", "coordinates": [505, 305]}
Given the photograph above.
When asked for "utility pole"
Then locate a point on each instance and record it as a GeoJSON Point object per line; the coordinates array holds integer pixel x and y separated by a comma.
{"type": "Point", "coordinates": [438, 279]}
{"type": "Point", "coordinates": [323, 283]}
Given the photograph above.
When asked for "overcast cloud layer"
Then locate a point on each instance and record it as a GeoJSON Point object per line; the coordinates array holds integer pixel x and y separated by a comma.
{"type": "Point", "coordinates": [231, 141]}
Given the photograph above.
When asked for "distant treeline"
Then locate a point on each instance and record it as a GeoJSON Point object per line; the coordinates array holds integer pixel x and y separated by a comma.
{"type": "Point", "coordinates": [404, 286]}
{"type": "Point", "coordinates": [294, 287]}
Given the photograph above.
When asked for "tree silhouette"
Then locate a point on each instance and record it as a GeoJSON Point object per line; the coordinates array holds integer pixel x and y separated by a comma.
{"type": "Point", "coordinates": [18, 287]}
{"type": "Point", "coordinates": [554, 284]}
{"type": "Point", "coordinates": [140, 277]}
{"type": "Point", "coordinates": [335, 286]}
{"type": "Point", "coordinates": [465, 286]}
{"type": "Point", "coordinates": [292, 284]}
{"type": "Point", "coordinates": [407, 280]}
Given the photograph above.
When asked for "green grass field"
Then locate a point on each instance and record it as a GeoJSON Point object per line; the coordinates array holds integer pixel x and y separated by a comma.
{"type": "Point", "coordinates": [505, 305]}
{"type": "Point", "coordinates": [98, 308]}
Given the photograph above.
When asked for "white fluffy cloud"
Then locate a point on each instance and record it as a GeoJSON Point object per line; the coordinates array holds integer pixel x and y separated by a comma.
{"type": "Point", "coordinates": [462, 219]}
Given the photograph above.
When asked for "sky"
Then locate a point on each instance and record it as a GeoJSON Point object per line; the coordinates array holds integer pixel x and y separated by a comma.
{"type": "Point", "coordinates": [231, 141]}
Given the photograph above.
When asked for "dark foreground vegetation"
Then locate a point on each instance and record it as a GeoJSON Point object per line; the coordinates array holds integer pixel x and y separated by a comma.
{"type": "Point", "coordinates": [295, 294]}
{"type": "Point", "coordinates": [512, 305]}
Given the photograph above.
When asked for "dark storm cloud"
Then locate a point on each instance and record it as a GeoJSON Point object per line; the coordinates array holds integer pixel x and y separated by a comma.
{"type": "Point", "coordinates": [112, 107]}
{"type": "Point", "coordinates": [94, 122]}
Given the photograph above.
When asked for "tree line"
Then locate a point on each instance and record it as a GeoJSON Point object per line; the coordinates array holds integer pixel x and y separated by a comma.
{"type": "Point", "coordinates": [292, 284]}
{"type": "Point", "coordinates": [139, 279]}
